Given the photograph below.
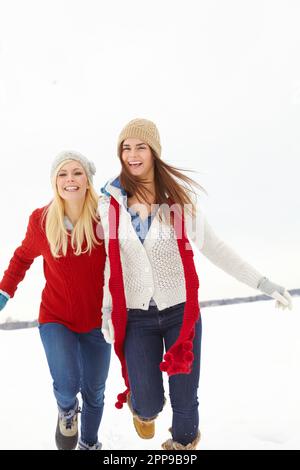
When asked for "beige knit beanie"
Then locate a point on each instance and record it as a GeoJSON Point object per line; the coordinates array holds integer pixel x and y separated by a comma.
{"type": "Point", "coordinates": [144, 130]}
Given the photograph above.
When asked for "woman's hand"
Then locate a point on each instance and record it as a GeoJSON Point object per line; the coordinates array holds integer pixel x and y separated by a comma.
{"type": "Point", "coordinates": [107, 327]}
{"type": "Point", "coordinates": [279, 293]}
{"type": "Point", "coordinates": [3, 301]}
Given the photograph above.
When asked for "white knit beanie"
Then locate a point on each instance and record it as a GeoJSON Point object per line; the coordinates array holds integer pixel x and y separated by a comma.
{"type": "Point", "coordinates": [88, 166]}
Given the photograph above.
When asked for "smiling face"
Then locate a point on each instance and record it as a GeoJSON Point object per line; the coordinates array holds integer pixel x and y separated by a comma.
{"type": "Point", "coordinates": [71, 181]}
{"type": "Point", "coordinates": [138, 158]}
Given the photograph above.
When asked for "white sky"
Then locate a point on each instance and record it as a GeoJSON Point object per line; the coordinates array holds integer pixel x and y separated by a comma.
{"type": "Point", "coordinates": [220, 79]}
{"type": "Point", "coordinates": [249, 386]}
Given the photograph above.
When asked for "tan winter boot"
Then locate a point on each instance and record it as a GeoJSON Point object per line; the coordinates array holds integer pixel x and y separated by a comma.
{"type": "Point", "coordinates": [144, 427]}
{"type": "Point", "coordinates": [173, 445]}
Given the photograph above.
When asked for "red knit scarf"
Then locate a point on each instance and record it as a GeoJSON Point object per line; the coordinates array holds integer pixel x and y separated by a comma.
{"type": "Point", "coordinates": [179, 358]}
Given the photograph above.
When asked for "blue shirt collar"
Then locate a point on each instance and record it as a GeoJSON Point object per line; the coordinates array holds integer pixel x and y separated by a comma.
{"type": "Point", "coordinates": [117, 184]}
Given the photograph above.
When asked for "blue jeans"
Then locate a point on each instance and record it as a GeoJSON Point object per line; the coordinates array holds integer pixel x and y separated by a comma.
{"type": "Point", "coordinates": [78, 362]}
{"type": "Point", "coordinates": [148, 332]}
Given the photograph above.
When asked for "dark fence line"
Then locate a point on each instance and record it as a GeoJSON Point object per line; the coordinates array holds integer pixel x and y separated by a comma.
{"type": "Point", "coordinates": [15, 325]}
{"type": "Point", "coordinates": [243, 300]}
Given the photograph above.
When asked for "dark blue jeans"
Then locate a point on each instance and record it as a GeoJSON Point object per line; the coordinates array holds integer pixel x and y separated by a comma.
{"type": "Point", "coordinates": [148, 332]}
{"type": "Point", "coordinates": [78, 362]}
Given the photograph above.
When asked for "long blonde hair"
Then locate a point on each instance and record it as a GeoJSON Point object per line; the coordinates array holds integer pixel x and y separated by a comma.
{"type": "Point", "coordinates": [83, 230]}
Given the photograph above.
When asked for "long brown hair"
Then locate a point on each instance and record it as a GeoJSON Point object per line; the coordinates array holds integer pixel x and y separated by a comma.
{"type": "Point", "coordinates": [171, 184]}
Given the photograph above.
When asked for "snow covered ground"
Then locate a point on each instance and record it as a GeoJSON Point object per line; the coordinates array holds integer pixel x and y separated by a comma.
{"type": "Point", "coordinates": [249, 386]}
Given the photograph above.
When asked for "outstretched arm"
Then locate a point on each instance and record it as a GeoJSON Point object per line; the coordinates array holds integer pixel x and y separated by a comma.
{"type": "Point", "coordinates": [22, 259]}
{"type": "Point", "coordinates": [223, 256]}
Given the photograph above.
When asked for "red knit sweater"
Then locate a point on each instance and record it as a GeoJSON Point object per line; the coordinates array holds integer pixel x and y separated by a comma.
{"type": "Point", "coordinates": [74, 284]}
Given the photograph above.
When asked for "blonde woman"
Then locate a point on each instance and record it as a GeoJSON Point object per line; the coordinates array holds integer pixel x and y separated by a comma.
{"type": "Point", "coordinates": [65, 234]}
{"type": "Point", "coordinates": [149, 215]}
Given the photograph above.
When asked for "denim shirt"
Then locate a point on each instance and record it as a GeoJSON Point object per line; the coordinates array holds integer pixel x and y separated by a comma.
{"type": "Point", "coordinates": [140, 226]}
